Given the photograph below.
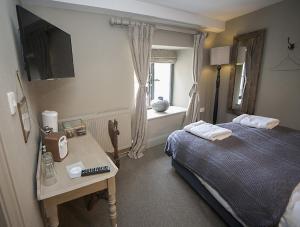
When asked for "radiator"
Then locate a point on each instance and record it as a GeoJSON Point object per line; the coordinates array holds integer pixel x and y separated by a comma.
{"type": "Point", "coordinates": [97, 125]}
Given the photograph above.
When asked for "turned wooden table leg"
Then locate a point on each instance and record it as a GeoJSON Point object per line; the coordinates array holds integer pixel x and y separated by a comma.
{"type": "Point", "coordinates": [51, 214]}
{"type": "Point", "coordinates": [112, 201]}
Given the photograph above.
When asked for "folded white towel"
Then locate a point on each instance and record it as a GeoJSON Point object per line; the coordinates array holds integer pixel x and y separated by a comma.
{"type": "Point", "coordinates": [256, 121]}
{"type": "Point", "coordinates": [208, 131]}
{"type": "Point", "coordinates": [189, 126]}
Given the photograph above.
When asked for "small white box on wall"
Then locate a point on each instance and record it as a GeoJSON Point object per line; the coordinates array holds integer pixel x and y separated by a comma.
{"type": "Point", "coordinates": [12, 102]}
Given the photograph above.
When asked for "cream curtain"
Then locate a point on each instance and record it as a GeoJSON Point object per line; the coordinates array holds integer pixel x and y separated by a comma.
{"type": "Point", "coordinates": [193, 111]}
{"type": "Point", "coordinates": [140, 39]}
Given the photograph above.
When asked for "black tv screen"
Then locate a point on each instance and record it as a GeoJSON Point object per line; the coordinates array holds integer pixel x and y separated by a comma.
{"type": "Point", "coordinates": [47, 50]}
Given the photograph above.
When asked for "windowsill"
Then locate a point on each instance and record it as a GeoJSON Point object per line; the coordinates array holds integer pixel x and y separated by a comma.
{"type": "Point", "coordinates": [173, 110]}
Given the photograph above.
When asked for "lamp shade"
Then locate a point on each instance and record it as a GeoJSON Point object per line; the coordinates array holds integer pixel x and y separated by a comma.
{"type": "Point", "coordinates": [219, 55]}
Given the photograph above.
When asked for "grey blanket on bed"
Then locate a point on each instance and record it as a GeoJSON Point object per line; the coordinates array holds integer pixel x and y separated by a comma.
{"type": "Point", "coordinates": [254, 170]}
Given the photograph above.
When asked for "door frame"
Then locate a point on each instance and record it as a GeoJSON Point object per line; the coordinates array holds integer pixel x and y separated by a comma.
{"type": "Point", "coordinates": [9, 204]}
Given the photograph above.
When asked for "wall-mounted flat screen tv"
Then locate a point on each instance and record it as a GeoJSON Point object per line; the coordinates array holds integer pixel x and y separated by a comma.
{"type": "Point", "coordinates": [47, 50]}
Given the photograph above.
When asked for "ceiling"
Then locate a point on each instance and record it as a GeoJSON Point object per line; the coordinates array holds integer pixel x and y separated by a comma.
{"type": "Point", "coordinates": [217, 9]}
{"type": "Point", "coordinates": [208, 15]}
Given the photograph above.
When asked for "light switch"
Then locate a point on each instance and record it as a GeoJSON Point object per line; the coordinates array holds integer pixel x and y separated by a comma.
{"type": "Point", "coordinates": [12, 102]}
{"type": "Point", "coordinates": [202, 109]}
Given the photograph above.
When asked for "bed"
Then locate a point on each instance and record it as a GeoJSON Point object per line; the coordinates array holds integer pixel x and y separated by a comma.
{"type": "Point", "coordinates": [248, 178]}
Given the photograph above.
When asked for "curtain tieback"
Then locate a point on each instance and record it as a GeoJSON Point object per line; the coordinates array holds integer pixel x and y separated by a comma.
{"type": "Point", "coordinates": [143, 87]}
{"type": "Point", "coordinates": [193, 89]}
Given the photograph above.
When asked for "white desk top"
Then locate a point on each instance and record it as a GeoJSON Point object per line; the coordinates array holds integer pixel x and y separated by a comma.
{"type": "Point", "coordinates": [84, 149]}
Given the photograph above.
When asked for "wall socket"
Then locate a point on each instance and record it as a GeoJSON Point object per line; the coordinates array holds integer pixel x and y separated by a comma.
{"type": "Point", "coordinates": [202, 109]}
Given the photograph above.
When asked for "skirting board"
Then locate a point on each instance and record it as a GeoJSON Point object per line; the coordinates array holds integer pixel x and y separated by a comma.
{"type": "Point", "coordinates": [152, 142]}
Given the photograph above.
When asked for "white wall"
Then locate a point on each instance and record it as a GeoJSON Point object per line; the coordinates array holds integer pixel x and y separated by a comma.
{"type": "Point", "coordinates": [104, 71]}
{"type": "Point", "coordinates": [278, 92]}
{"type": "Point", "coordinates": [169, 38]}
{"type": "Point", "coordinates": [102, 62]}
{"type": "Point", "coordinates": [158, 129]}
{"type": "Point", "coordinates": [103, 68]}
{"type": "Point", "coordinates": [183, 80]}
{"type": "Point", "coordinates": [183, 77]}
{"type": "Point", "coordinates": [21, 157]}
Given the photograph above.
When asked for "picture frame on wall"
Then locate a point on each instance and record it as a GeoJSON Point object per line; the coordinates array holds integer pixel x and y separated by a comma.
{"type": "Point", "coordinates": [24, 118]}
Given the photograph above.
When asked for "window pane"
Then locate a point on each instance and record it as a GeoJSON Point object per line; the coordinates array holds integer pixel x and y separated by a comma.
{"type": "Point", "coordinates": [162, 80]}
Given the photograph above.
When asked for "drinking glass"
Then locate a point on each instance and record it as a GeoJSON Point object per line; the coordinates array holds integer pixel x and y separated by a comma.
{"type": "Point", "coordinates": [48, 171]}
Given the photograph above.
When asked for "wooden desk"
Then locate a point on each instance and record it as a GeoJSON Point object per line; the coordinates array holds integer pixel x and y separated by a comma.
{"type": "Point", "coordinates": [86, 150]}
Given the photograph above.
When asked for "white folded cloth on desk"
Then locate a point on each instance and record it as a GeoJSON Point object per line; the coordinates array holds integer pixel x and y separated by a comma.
{"type": "Point", "coordinates": [208, 131]}
{"type": "Point", "coordinates": [256, 121]}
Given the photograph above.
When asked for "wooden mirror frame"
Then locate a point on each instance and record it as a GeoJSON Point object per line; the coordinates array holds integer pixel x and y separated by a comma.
{"type": "Point", "coordinates": [259, 35]}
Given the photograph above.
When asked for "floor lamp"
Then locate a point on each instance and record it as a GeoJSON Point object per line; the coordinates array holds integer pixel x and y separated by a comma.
{"type": "Point", "coordinates": [218, 56]}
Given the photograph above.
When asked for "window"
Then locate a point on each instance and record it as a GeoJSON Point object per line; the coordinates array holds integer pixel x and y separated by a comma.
{"type": "Point", "coordinates": [160, 81]}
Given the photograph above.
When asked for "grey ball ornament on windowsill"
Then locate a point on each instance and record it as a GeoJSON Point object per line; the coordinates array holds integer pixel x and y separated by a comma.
{"type": "Point", "coordinates": [160, 105]}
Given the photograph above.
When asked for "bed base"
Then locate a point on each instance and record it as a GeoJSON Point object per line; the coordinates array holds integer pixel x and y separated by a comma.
{"type": "Point", "coordinates": [193, 181]}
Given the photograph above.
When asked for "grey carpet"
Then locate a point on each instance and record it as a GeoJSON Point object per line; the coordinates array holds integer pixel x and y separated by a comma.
{"type": "Point", "coordinates": [149, 194]}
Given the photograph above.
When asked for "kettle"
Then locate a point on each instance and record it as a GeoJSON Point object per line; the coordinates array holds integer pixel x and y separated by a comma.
{"type": "Point", "coordinates": [57, 144]}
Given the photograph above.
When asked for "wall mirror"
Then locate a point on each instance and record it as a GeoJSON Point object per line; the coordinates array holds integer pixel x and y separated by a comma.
{"type": "Point", "coordinates": [246, 57]}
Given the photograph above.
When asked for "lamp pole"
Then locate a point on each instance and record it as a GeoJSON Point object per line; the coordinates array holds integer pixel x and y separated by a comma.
{"type": "Point", "coordinates": [215, 116]}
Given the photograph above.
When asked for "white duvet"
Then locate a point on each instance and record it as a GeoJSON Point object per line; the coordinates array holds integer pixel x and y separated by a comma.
{"type": "Point", "coordinates": [291, 216]}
